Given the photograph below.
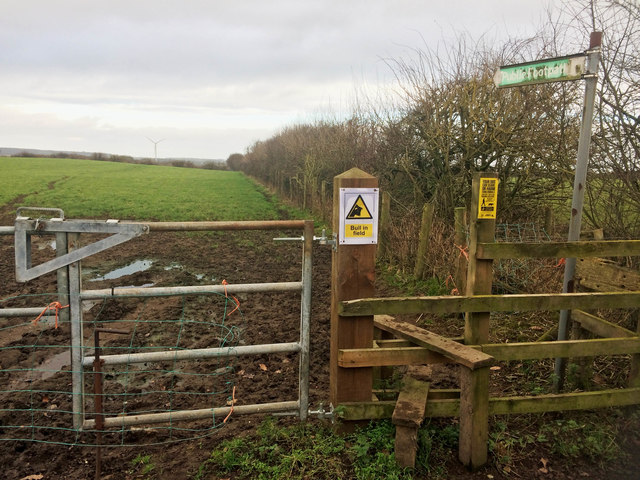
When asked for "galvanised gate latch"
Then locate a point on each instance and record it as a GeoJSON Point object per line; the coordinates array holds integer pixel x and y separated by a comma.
{"type": "Point", "coordinates": [26, 227]}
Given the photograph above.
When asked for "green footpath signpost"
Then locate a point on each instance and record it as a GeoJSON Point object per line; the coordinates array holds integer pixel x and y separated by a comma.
{"type": "Point", "coordinates": [573, 67]}
{"type": "Point", "coordinates": [551, 70]}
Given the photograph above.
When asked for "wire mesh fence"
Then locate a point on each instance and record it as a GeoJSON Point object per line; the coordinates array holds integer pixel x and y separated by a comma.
{"type": "Point", "coordinates": [36, 376]}
{"type": "Point", "coordinates": [526, 275]}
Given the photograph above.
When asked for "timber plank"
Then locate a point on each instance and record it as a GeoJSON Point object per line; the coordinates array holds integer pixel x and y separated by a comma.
{"type": "Point", "coordinates": [567, 401]}
{"type": "Point", "coordinates": [503, 406]}
{"type": "Point", "coordinates": [406, 446]}
{"type": "Point", "coordinates": [600, 326]}
{"type": "Point", "coordinates": [379, 357]}
{"type": "Point", "coordinates": [489, 303]}
{"type": "Point", "coordinates": [387, 357]}
{"type": "Point", "coordinates": [411, 403]}
{"type": "Point", "coordinates": [393, 343]}
{"type": "Point", "coordinates": [461, 354]}
{"type": "Point", "coordinates": [562, 349]}
{"type": "Point", "coordinates": [610, 248]}
{"type": "Point", "coordinates": [606, 276]}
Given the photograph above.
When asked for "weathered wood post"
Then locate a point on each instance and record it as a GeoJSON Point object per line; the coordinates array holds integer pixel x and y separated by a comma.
{"type": "Point", "coordinates": [385, 220]}
{"type": "Point", "coordinates": [549, 223]}
{"type": "Point", "coordinates": [474, 383]}
{"type": "Point", "coordinates": [461, 244]}
{"type": "Point", "coordinates": [423, 241]}
{"type": "Point", "coordinates": [480, 272]}
{"type": "Point", "coordinates": [634, 373]}
{"type": "Point", "coordinates": [352, 277]}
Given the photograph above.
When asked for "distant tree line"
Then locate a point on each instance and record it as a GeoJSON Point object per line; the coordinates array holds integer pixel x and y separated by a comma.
{"type": "Point", "coordinates": [447, 121]}
{"type": "Point", "coordinates": [106, 157]}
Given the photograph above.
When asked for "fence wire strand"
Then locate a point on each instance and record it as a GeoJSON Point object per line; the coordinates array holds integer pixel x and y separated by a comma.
{"type": "Point", "coordinates": [35, 369]}
{"type": "Point", "coordinates": [527, 274]}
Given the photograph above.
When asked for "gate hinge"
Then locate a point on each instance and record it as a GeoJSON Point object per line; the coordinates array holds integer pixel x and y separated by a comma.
{"type": "Point", "coordinates": [322, 414]}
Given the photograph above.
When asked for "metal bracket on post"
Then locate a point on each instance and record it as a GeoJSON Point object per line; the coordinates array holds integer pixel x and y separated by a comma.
{"type": "Point", "coordinates": [322, 240]}
{"type": "Point", "coordinates": [323, 414]}
{"type": "Point", "coordinates": [26, 227]}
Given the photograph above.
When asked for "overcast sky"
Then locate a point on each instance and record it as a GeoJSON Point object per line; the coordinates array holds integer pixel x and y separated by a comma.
{"type": "Point", "coordinates": [210, 77]}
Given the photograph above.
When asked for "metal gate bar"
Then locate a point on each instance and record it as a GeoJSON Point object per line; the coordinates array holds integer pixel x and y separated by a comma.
{"type": "Point", "coordinates": [76, 296]}
{"type": "Point", "coordinates": [150, 418]}
{"type": "Point", "coordinates": [195, 289]}
{"type": "Point", "coordinates": [175, 355]}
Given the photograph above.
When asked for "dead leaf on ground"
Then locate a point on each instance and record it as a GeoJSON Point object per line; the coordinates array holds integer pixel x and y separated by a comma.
{"type": "Point", "coordinates": [263, 367]}
{"type": "Point", "coordinates": [495, 368]}
{"type": "Point", "coordinates": [544, 463]}
{"type": "Point", "coordinates": [32, 477]}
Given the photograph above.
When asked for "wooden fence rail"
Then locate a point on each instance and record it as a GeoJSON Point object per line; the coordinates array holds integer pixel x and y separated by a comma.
{"type": "Point", "coordinates": [609, 248]}
{"type": "Point", "coordinates": [489, 303]}
{"type": "Point", "coordinates": [355, 354]}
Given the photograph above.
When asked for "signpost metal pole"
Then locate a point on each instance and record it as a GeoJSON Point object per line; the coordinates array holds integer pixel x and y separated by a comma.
{"type": "Point", "coordinates": [579, 184]}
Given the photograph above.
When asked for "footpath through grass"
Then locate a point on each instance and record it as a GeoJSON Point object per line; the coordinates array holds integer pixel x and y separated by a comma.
{"type": "Point", "coordinates": [92, 189]}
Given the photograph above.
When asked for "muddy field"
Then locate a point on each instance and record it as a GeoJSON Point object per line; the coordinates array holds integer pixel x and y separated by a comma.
{"type": "Point", "coordinates": [36, 378]}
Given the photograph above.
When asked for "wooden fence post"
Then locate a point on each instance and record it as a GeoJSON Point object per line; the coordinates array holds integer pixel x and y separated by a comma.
{"type": "Point", "coordinates": [474, 384]}
{"type": "Point", "coordinates": [479, 272]}
{"type": "Point", "coordinates": [383, 231]}
{"type": "Point", "coordinates": [474, 417]}
{"type": "Point", "coordinates": [352, 277]}
{"type": "Point", "coordinates": [461, 243]}
{"type": "Point", "coordinates": [549, 223]}
{"type": "Point", "coordinates": [634, 373]}
{"type": "Point", "coordinates": [425, 231]}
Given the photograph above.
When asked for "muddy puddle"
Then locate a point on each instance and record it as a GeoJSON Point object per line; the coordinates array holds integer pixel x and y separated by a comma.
{"type": "Point", "coordinates": [47, 369]}
{"type": "Point", "coordinates": [134, 267]}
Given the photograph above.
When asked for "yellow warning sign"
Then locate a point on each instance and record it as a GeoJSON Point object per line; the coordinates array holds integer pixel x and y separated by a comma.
{"type": "Point", "coordinates": [358, 231]}
{"type": "Point", "coordinates": [359, 211]}
{"type": "Point", "coordinates": [488, 200]}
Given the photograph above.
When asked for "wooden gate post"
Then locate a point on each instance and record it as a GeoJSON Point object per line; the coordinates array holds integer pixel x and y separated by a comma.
{"type": "Point", "coordinates": [479, 272]}
{"type": "Point", "coordinates": [474, 383]}
{"type": "Point", "coordinates": [352, 277]}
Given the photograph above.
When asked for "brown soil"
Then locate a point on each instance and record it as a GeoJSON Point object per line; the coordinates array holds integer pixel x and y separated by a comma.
{"type": "Point", "coordinates": [178, 259]}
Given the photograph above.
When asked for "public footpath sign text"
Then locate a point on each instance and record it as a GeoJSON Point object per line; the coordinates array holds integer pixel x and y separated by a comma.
{"type": "Point", "coordinates": [543, 71]}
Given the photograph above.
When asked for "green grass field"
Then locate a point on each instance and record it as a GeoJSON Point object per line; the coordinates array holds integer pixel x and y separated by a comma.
{"type": "Point", "coordinates": [91, 189]}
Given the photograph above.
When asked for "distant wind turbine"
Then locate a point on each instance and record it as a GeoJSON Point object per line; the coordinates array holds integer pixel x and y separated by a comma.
{"type": "Point", "coordinates": [155, 147]}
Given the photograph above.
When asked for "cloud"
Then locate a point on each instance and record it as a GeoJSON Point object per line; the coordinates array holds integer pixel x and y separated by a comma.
{"type": "Point", "coordinates": [172, 65]}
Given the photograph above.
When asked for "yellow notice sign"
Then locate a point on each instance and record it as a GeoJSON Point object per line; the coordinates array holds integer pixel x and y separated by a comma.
{"type": "Point", "coordinates": [358, 224]}
{"type": "Point", "coordinates": [488, 200]}
{"type": "Point", "coordinates": [359, 210]}
{"type": "Point", "coordinates": [358, 231]}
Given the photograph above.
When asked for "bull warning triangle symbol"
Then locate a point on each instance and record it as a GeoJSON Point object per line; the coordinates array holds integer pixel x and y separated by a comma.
{"type": "Point", "coordinates": [359, 210]}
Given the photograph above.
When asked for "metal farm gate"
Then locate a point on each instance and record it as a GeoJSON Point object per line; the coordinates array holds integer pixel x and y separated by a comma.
{"type": "Point", "coordinates": [83, 357]}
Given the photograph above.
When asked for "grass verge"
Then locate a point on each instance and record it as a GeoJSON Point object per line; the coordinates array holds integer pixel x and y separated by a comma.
{"type": "Point", "coordinates": [523, 446]}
